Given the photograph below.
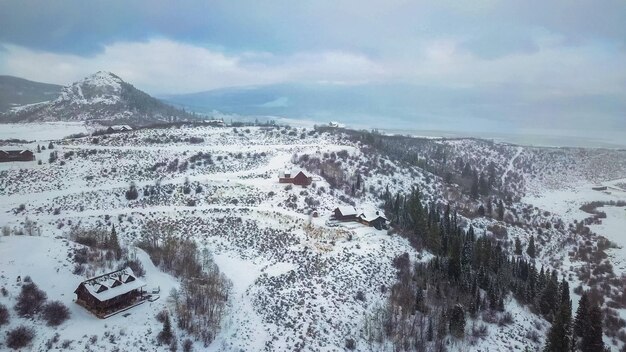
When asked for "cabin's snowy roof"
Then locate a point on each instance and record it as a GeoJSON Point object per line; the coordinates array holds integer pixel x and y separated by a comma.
{"type": "Point", "coordinates": [291, 173]}
{"type": "Point", "coordinates": [369, 215]}
{"type": "Point", "coordinates": [113, 284]}
{"type": "Point", "coordinates": [121, 127]}
{"type": "Point", "coordinates": [346, 211]}
{"type": "Point", "coordinates": [14, 152]}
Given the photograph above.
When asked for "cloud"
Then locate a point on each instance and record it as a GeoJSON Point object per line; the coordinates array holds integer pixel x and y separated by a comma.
{"type": "Point", "coordinates": [517, 60]}
{"type": "Point", "coordinates": [165, 66]}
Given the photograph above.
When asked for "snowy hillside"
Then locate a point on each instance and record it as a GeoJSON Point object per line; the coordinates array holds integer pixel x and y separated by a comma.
{"type": "Point", "coordinates": [298, 282]}
{"type": "Point", "coordinates": [102, 97]}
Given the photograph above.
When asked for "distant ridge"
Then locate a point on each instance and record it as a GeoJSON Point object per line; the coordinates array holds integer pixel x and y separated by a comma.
{"type": "Point", "coordinates": [102, 97]}
{"type": "Point", "coordinates": [15, 91]}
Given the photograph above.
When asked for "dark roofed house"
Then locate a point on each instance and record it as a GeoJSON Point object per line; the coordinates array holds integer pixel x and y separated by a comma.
{"type": "Point", "coordinates": [111, 292]}
{"type": "Point", "coordinates": [345, 214]}
{"type": "Point", "coordinates": [296, 177]}
{"type": "Point", "coordinates": [119, 128]}
{"type": "Point", "coordinates": [375, 219]}
{"type": "Point", "coordinates": [16, 155]}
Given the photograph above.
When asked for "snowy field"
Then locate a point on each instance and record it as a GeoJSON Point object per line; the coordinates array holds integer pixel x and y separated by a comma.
{"type": "Point", "coordinates": [42, 131]}
{"type": "Point", "coordinates": [614, 228]}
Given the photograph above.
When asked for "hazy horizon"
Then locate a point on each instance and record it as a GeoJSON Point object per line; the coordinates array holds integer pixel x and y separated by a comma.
{"type": "Point", "coordinates": [485, 66]}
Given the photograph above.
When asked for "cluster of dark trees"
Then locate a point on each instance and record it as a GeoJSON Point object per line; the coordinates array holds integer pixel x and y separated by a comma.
{"type": "Point", "coordinates": [201, 301]}
{"type": "Point", "coordinates": [469, 274]}
{"type": "Point", "coordinates": [97, 238]}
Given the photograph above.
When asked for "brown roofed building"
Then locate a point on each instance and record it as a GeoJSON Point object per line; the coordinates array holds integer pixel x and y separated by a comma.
{"type": "Point", "coordinates": [16, 155]}
{"type": "Point", "coordinates": [296, 177]}
{"type": "Point", "coordinates": [111, 292]}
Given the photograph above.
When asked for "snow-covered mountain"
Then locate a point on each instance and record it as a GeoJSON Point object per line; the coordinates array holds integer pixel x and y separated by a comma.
{"type": "Point", "coordinates": [102, 97]}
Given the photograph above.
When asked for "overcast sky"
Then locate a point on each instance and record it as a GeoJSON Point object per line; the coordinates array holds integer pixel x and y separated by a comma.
{"type": "Point", "coordinates": [547, 55]}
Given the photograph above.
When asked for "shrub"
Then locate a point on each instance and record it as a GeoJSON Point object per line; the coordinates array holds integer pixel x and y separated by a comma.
{"type": "Point", "coordinates": [160, 317]}
{"type": "Point", "coordinates": [360, 296]}
{"type": "Point", "coordinates": [131, 193]}
{"type": "Point", "coordinates": [506, 319]}
{"type": "Point", "coordinates": [55, 313]}
{"type": "Point", "coordinates": [166, 335]}
{"type": "Point", "coordinates": [4, 315]}
{"type": "Point", "coordinates": [19, 337]}
{"type": "Point", "coordinates": [350, 344]}
{"type": "Point", "coordinates": [187, 345]}
{"type": "Point", "coordinates": [30, 300]}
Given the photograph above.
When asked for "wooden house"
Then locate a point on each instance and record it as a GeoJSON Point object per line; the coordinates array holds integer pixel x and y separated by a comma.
{"type": "Point", "coordinates": [119, 128]}
{"type": "Point", "coordinates": [111, 292]}
{"type": "Point", "coordinates": [16, 155]}
{"type": "Point", "coordinates": [296, 177]}
{"type": "Point", "coordinates": [369, 217]}
{"type": "Point", "coordinates": [375, 219]}
{"type": "Point", "coordinates": [345, 214]}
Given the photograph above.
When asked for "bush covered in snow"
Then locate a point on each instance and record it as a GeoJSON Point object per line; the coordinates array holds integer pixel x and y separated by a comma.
{"type": "Point", "coordinates": [55, 313]}
{"type": "Point", "coordinates": [19, 337]}
{"type": "Point", "coordinates": [30, 300]}
{"type": "Point", "coordinates": [4, 315]}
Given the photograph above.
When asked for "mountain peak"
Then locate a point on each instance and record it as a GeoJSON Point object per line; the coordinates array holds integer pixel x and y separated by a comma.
{"type": "Point", "coordinates": [102, 78]}
{"type": "Point", "coordinates": [101, 87]}
{"type": "Point", "coordinates": [102, 96]}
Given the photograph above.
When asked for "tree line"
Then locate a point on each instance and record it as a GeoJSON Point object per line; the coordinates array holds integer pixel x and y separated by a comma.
{"type": "Point", "coordinates": [472, 274]}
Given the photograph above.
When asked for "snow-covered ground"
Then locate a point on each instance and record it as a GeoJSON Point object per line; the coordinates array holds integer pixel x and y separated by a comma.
{"type": "Point", "coordinates": [46, 260]}
{"type": "Point", "coordinates": [42, 131]}
{"type": "Point", "coordinates": [294, 279]}
{"type": "Point", "coordinates": [614, 228]}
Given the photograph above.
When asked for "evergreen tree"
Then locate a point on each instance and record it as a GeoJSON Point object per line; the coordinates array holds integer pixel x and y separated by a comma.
{"type": "Point", "coordinates": [500, 210]}
{"type": "Point", "coordinates": [474, 192]}
{"type": "Point", "coordinates": [165, 336]}
{"type": "Point", "coordinates": [582, 316]}
{"type": "Point", "coordinates": [531, 247]}
{"type": "Point", "coordinates": [483, 185]}
{"type": "Point", "coordinates": [114, 244]}
{"type": "Point", "coordinates": [548, 302]}
{"type": "Point", "coordinates": [518, 246]}
{"type": "Point", "coordinates": [592, 336]}
{"type": "Point", "coordinates": [457, 321]}
{"type": "Point", "coordinates": [560, 332]}
{"type": "Point", "coordinates": [429, 332]}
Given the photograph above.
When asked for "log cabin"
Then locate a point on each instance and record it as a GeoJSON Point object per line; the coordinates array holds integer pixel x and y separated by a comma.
{"type": "Point", "coordinates": [296, 177]}
{"type": "Point", "coordinates": [110, 292]}
{"type": "Point", "coordinates": [16, 155]}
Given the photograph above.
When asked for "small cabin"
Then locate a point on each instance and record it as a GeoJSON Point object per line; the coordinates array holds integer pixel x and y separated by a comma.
{"type": "Point", "coordinates": [119, 128]}
{"type": "Point", "coordinates": [374, 219]}
{"type": "Point", "coordinates": [16, 155]}
{"type": "Point", "coordinates": [296, 177]}
{"type": "Point", "coordinates": [345, 214]}
{"type": "Point", "coordinates": [111, 292]}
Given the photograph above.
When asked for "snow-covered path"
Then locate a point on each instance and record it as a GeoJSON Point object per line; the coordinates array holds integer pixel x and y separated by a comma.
{"type": "Point", "coordinates": [510, 165]}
